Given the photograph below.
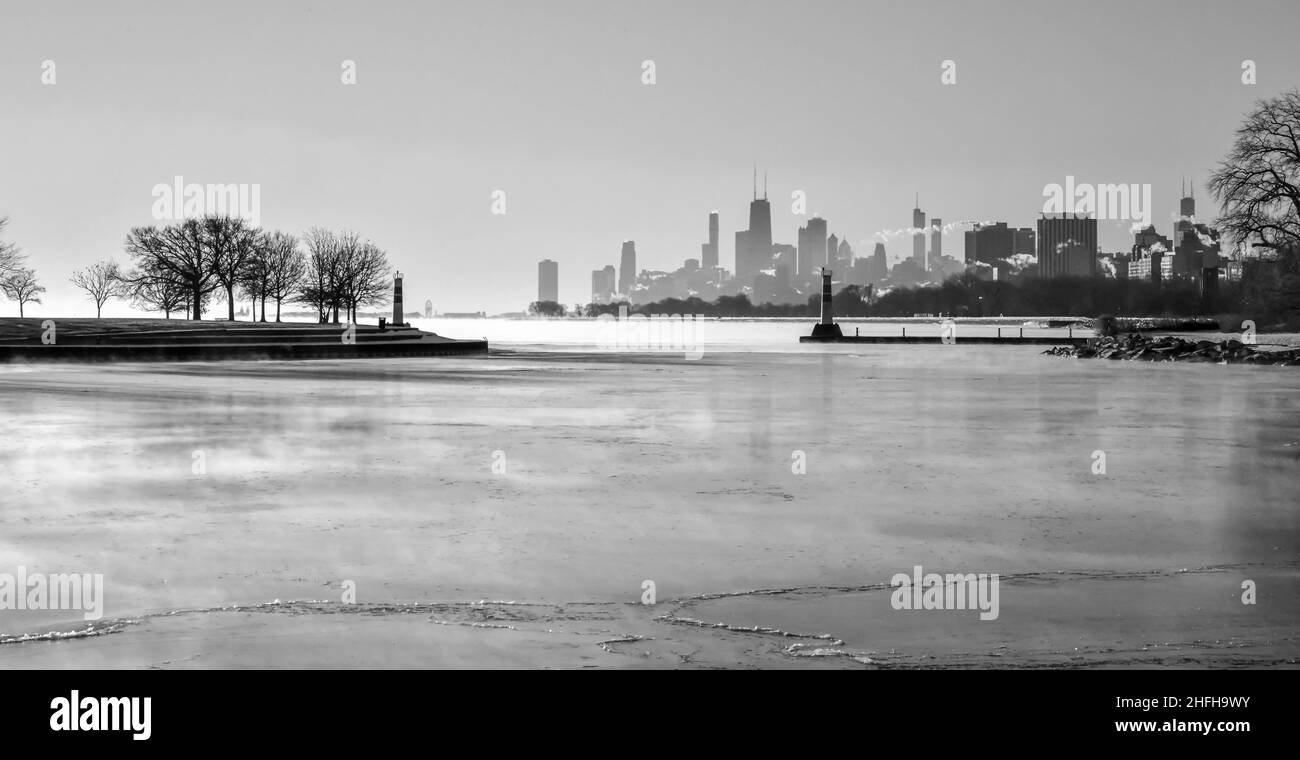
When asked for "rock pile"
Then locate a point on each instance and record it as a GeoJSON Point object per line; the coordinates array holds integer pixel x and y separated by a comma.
{"type": "Point", "coordinates": [1168, 348]}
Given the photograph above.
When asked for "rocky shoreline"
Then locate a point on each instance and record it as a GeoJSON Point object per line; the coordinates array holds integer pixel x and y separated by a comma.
{"type": "Point", "coordinates": [1135, 347]}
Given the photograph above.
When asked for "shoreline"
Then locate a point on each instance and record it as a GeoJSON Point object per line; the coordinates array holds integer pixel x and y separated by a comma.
{"type": "Point", "coordinates": [83, 340]}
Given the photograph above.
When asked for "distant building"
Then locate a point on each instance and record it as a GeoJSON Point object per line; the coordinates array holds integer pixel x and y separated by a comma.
{"type": "Point", "coordinates": [988, 243]}
{"type": "Point", "coordinates": [843, 258]}
{"type": "Point", "coordinates": [812, 246]}
{"type": "Point", "coordinates": [602, 284]}
{"type": "Point", "coordinates": [754, 245]}
{"type": "Point", "coordinates": [627, 268]}
{"type": "Point", "coordinates": [1146, 260]}
{"type": "Point", "coordinates": [709, 250]}
{"type": "Point", "coordinates": [1196, 246]}
{"type": "Point", "coordinates": [936, 242]}
{"type": "Point", "coordinates": [1114, 265]}
{"type": "Point", "coordinates": [869, 270]}
{"type": "Point", "coordinates": [918, 237]}
{"type": "Point", "coordinates": [1067, 245]}
{"type": "Point", "coordinates": [548, 281]}
{"type": "Point", "coordinates": [785, 256]}
{"type": "Point", "coordinates": [1024, 241]}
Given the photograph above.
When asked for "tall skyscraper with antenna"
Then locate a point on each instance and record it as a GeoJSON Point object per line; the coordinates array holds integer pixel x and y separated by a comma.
{"type": "Point", "coordinates": [754, 245]}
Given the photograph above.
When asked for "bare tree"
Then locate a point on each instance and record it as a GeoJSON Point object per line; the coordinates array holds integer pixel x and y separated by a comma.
{"type": "Point", "coordinates": [320, 282]}
{"type": "Point", "coordinates": [254, 280]}
{"type": "Point", "coordinates": [349, 266]}
{"type": "Point", "coordinates": [11, 256]}
{"type": "Point", "coordinates": [1258, 183]}
{"type": "Point", "coordinates": [342, 274]}
{"type": "Point", "coordinates": [21, 286]}
{"type": "Point", "coordinates": [101, 281]}
{"type": "Point", "coordinates": [367, 280]}
{"type": "Point", "coordinates": [230, 246]}
{"type": "Point", "coordinates": [173, 255]}
{"type": "Point", "coordinates": [285, 268]}
{"type": "Point", "coordinates": [159, 294]}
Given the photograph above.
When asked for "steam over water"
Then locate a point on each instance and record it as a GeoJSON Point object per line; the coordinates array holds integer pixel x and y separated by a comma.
{"type": "Point", "coordinates": [506, 510]}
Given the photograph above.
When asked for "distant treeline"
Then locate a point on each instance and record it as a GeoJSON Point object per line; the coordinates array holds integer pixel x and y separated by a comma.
{"type": "Point", "coordinates": [1269, 292]}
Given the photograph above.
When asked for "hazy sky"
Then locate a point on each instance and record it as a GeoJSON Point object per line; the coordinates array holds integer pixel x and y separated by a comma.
{"type": "Point", "coordinates": [545, 101]}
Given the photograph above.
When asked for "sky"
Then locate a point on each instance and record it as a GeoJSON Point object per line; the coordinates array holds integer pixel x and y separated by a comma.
{"type": "Point", "coordinates": [547, 103]}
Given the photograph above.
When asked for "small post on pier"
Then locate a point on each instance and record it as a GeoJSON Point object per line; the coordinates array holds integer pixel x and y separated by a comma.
{"type": "Point", "coordinates": [999, 332]}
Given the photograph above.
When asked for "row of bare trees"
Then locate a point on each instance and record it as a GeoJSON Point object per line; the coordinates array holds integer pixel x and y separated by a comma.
{"type": "Point", "coordinates": [188, 263]}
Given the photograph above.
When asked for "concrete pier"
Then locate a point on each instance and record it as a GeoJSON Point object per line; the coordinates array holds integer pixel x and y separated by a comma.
{"type": "Point", "coordinates": [980, 340]}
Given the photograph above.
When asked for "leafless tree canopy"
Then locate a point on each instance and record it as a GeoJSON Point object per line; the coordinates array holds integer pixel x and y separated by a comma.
{"type": "Point", "coordinates": [11, 256]}
{"type": "Point", "coordinates": [20, 285]}
{"type": "Point", "coordinates": [173, 255]}
{"type": "Point", "coordinates": [339, 272]}
{"type": "Point", "coordinates": [343, 273]}
{"type": "Point", "coordinates": [156, 291]}
{"type": "Point", "coordinates": [285, 268]}
{"type": "Point", "coordinates": [231, 247]}
{"type": "Point", "coordinates": [1258, 184]}
{"type": "Point", "coordinates": [101, 281]}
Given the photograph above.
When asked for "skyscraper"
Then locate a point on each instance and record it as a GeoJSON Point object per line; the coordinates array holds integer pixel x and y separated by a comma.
{"type": "Point", "coordinates": [936, 241]}
{"type": "Point", "coordinates": [842, 258]}
{"type": "Point", "coordinates": [627, 268]}
{"type": "Point", "coordinates": [987, 243]}
{"type": "Point", "coordinates": [785, 262]}
{"type": "Point", "coordinates": [602, 284]}
{"type": "Point", "coordinates": [709, 250]}
{"type": "Point", "coordinates": [1024, 241]}
{"type": "Point", "coordinates": [1186, 209]}
{"type": "Point", "coordinates": [1196, 245]}
{"type": "Point", "coordinates": [754, 245]}
{"type": "Point", "coordinates": [918, 237]}
{"type": "Point", "coordinates": [990, 243]}
{"type": "Point", "coordinates": [812, 247]}
{"type": "Point", "coordinates": [548, 281]}
{"type": "Point", "coordinates": [879, 263]}
{"type": "Point", "coordinates": [1067, 245]}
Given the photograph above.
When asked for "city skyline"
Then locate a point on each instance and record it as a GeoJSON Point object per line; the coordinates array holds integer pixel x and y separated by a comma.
{"type": "Point", "coordinates": [1064, 243]}
{"type": "Point", "coordinates": [422, 187]}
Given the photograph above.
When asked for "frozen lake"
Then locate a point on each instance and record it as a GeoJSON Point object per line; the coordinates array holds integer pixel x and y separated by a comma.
{"type": "Point", "coordinates": [550, 486]}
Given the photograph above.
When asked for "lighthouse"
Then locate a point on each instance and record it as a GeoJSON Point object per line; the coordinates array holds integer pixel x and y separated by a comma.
{"type": "Point", "coordinates": [398, 321]}
{"type": "Point", "coordinates": [826, 327]}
